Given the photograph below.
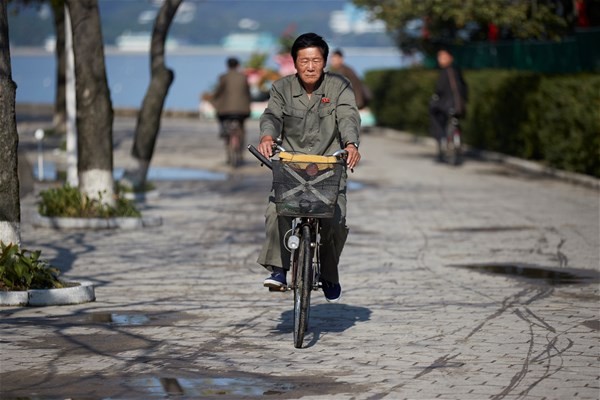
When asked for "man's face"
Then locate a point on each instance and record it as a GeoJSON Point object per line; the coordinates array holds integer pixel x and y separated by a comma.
{"type": "Point", "coordinates": [336, 61]}
{"type": "Point", "coordinates": [310, 65]}
{"type": "Point", "coordinates": [444, 58]}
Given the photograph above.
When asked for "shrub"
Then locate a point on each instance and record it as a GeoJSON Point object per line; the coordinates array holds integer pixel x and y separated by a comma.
{"type": "Point", "coordinates": [24, 270]}
{"type": "Point", "coordinates": [401, 98]}
{"type": "Point", "coordinates": [68, 201]}
{"type": "Point", "coordinates": [564, 114]}
{"type": "Point", "coordinates": [498, 112]}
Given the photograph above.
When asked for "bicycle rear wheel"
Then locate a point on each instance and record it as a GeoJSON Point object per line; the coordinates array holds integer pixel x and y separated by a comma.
{"type": "Point", "coordinates": [233, 150]}
{"type": "Point", "coordinates": [303, 287]}
{"type": "Point", "coordinates": [452, 143]}
{"type": "Point", "coordinates": [454, 147]}
{"type": "Point", "coordinates": [234, 142]}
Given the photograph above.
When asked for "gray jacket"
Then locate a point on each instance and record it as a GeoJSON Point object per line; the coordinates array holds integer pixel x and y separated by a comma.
{"type": "Point", "coordinates": [319, 125]}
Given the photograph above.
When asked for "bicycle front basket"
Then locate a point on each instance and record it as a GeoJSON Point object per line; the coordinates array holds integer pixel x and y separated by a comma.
{"type": "Point", "coordinates": [306, 189]}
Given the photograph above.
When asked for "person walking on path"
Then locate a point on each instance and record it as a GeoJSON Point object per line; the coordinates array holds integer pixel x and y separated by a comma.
{"type": "Point", "coordinates": [338, 65]}
{"type": "Point", "coordinates": [450, 96]}
{"type": "Point", "coordinates": [312, 112]}
{"type": "Point", "coordinates": [231, 98]}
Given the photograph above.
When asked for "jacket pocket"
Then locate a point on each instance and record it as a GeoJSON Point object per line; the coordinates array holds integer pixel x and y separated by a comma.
{"type": "Point", "coordinates": [293, 119]}
{"type": "Point", "coordinates": [326, 111]}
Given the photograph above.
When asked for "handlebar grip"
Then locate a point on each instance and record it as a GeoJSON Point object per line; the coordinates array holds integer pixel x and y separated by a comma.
{"type": "Point", "coordinates": [264, 160]}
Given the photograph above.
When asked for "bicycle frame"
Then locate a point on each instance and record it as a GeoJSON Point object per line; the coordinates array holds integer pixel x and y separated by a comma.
{"type": "Point", "coordinates": [293, 242]}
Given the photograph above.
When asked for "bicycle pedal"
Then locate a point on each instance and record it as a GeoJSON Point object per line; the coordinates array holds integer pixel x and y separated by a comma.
{"type": "Point", "coordinates": [279, 289]}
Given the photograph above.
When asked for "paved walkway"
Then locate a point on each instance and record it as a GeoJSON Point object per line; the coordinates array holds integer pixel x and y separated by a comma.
{"type": "Point", "coordinates": [181, 311]}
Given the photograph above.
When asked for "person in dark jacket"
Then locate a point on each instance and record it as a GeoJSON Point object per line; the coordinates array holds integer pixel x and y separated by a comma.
{"type": "Point", "coordinates": [338, 66]}
{"type": "Point", "coordinates": [231, 98]}
{"type": "Point", "coordinates": [450, 96]}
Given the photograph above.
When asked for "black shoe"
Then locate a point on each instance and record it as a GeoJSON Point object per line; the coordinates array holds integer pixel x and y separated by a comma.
{"type": "Point", "coordinates": [332, 291]}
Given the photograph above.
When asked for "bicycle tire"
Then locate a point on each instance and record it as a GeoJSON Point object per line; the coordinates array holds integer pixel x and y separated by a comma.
{"type": "Point", "coordinates": [303, 287]}
{"type": "Point", "coordinates": [454, 146]}
{"type": "Point", "coordinates": [234, 149]}
{"type": "Point", "coordinates": [233, 144]}
{"type": "Point", "coordinates": [451, 144]}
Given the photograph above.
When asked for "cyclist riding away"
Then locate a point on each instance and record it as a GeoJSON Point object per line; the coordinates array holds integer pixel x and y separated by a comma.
{"type": "Point", "coordinates": [449, 99]}
{"type": "Point", "coordinates": [231, 98]}
{"type": "Point", "coordinates": [312, 112]}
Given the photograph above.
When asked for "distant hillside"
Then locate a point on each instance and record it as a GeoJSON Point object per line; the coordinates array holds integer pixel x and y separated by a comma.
{"type": "Point", "coordinates": [202, 22]}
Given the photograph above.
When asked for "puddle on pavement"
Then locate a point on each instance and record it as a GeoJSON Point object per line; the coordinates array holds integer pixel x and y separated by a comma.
{"type": "Point", "coordinates": [200, 387]}
{"type": "Point", "coordinates": [593, 324]}
{"type": "Point", "coordinates": [168, 174]}
{"type": "Point", "coordinates": [486, 229]}
{"type": "Point", "coordinates": [537, 274]}
{"type": "Point", "coordinates": [46, 173]}
{"type": "Point", "coordinates": [118, 319]}
{"type": "Point", "coordinates": [178, 174]}
{"type": "Point", "coordinates": [353, 185]}
{"type": "Point", "coordinates": [154, 173]}
{"type": "Point", "coordinates": [186, 385]}
{"type": "Point", "coordinates": [129, 318]}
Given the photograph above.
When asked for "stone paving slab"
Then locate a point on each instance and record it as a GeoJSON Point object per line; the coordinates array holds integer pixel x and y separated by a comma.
{"type": "Point", "coordinates": [181, 304]}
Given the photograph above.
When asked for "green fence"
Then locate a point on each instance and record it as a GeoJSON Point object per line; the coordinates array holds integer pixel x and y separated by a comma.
{"type": "Point", "coordinates": [579, 53]}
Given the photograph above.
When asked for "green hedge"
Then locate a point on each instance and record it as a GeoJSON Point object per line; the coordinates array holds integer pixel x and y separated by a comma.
{"type": "Point", "coordinates": [550, 118]}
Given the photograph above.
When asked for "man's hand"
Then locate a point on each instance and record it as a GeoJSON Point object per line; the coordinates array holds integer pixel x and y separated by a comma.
{"type": "Point", "coordinates": [353, 156]}
{"type": "Point", "coordinates": [265, 147]}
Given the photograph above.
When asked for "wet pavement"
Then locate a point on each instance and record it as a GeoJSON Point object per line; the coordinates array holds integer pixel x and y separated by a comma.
{"type": "Point", "coordinates": [476, 282]}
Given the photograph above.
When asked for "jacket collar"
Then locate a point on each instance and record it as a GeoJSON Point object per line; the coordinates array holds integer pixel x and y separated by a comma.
{"type": "Point", "coordinates": [299, 91]}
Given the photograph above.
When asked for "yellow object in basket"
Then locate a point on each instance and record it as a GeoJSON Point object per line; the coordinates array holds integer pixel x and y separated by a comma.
{"type": "Point", "coordinates": [306, 159]}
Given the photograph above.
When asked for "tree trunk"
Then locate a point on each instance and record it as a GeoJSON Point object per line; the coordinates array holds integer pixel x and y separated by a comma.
{"type": "Point", "coordinates": [60, 104]}
{"type": "Point", "coordinates": [10, 206]}
{"type": "Point", "coordinates": [148, 122]}
{"type": "Point", "coordinates": [94, 107]}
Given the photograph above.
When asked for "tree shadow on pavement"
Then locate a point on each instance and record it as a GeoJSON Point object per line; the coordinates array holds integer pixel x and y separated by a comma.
{"type": "Point", "coordinates": [325, 318]}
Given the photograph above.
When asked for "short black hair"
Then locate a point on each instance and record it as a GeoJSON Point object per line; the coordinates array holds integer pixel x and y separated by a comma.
{"type": "Point", "coordinates": [232, 62]}
{"type": "Point", "coordinates": [338, 52]}
{"type": "Point", "coordinates": [309, 40]}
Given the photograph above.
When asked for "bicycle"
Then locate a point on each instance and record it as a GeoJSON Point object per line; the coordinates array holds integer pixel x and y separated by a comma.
{"type": "Point", "coordinates": [306, 189]}
{"type": "Point", "coordinates": [233, 133]}
{"type": "Point", "coordinates": [450, 145]}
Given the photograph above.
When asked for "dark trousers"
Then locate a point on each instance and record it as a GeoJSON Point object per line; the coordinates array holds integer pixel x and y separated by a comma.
{"type": "Point", "coordinates": [334, 233]}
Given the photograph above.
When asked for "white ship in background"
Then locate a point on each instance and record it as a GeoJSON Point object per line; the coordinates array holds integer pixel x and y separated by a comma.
{"type": "Point", "coordinates": [140, 42]}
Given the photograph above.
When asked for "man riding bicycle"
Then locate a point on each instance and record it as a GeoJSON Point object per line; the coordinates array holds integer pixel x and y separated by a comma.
{"type": "Point", "coordinates": [312, 112]}
{"type": "Point", "coordinates": [231, 98]}
{"type": "Point", "coordinates": [449, 99]}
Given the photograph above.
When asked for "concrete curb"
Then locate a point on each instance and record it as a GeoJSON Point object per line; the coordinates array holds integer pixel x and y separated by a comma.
{"type": "Point", "coordinates": [537, 168]}
{"type": "Point", "coordinates": [95, 223]}
{"type": "Point", "coordinates": [510, 161]}
{"type": "Point", "coordinates": [82, 293]}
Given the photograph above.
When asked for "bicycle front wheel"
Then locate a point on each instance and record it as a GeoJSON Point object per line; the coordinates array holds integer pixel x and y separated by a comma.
{"type": "Point", "coordinates": [304, 276]}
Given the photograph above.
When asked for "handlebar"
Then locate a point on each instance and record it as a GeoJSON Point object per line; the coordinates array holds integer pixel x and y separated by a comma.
{"type": "Point", "coordinates": [265, 161]}
{"type": "Point", "coordinates": [340, 153]}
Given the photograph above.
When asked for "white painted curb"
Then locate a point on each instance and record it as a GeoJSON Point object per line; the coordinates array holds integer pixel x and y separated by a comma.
{"type": "Point", "coordinates": [82, 293]}
{"type": "Point", "coordinates": [95, 223]}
